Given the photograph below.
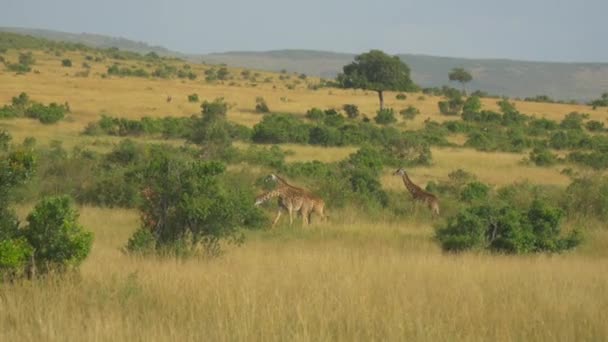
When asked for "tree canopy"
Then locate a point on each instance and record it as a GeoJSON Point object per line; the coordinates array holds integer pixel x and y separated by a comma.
{"type": "Point", "coordinates": [460, 75]}
{"type": "Point", "coordinates": [377, 71]}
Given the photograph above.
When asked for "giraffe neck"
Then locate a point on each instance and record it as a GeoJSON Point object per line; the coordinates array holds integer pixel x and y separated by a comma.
{"type": "Point", "coordinates": [267, 196]}
{"type": "Point", "coordinates": [411, 187]}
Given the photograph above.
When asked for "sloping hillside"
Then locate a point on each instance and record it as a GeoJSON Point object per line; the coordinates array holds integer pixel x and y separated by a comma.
{"type": "Point", "coordinates": [580, 81]}
{"type": "Point", "coordinates": [563, 81]}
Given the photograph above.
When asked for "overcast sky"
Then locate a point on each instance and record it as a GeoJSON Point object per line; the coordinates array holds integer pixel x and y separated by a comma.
{"type": "Point", "coordinates": [548, 30]}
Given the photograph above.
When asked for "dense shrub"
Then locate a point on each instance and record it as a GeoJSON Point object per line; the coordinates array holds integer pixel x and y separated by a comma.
{"type": "Point", "coordinates": [542, 157]}
{"type": "Point", "coordinates": [59, 242]}
{"type": "Point", "coordinates": [46, 114]}
{"type": "Point", "coordinates": [588, 197]}
{"type": "Point", "coordinates": [453, 106]}
{"type": "Point", "coordinates": [474, 191]}
{"type": "Point", "coordinates": [472, 105]}
{"type": "Point", "coordinates": [507, 229]}
{"type": "Point", "coordinates": [409, 113]}
{"type": "Point", "coordinates": [22, 106]}
{"type": "Point", "coordinates": [385, 116]}
{"type": "Point", "coordinates": [351, 110]}
{"type": "Point", "coordinates": [280, 128]}
{"type": "Point", "coordinates": [186, 207]}
{"type": "Point", "coordinates": [66, 63]}
{"type": "Point", "coordinates": [573, 120]}
{"type": "Point", "coordinates": [601, 102]}
{"type": "Point", "coordinates": [261, 106]}
{"type": "Point", "coordinates": [401, 96]}
{"type": "Point", "coordinates": [193, 98]}
{"type": "Point", "coordinates": [594, 126]}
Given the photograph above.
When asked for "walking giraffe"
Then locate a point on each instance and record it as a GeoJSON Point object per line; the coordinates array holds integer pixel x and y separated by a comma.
{"type": "Point", "coordinates": [293, 199]}
{"type": "Point", "coordinates": [417, 193]}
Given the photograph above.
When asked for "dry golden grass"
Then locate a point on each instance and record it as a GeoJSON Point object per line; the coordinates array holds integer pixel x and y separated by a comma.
{"type": "Point", "coordinates": [349, 279]}
{"type": "Point", "coordinates": [346, 281]}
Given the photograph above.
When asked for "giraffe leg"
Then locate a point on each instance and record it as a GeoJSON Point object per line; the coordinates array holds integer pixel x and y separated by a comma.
{"type": "Point", "coordinates": [290, 216]}
{"type": "Point", "coordinates": [276, 219]}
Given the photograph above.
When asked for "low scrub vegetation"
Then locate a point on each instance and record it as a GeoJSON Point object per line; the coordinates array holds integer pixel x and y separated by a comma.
{"type": "Point", "coordinates": [22, 106]}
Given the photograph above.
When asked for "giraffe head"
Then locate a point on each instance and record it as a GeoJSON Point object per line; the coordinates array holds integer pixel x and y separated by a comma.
{"type": "Point", "coordinates": [400, 172]}
{"type": "Point", "coordinates": [272, 178]}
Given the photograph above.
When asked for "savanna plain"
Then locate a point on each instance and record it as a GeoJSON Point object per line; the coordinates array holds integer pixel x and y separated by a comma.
{"type": "Point", "coordinates": [360, 275]}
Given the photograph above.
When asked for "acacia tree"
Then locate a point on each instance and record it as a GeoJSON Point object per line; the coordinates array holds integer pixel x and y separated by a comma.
{"type": "Point", "coordinates": [377, 71]}
{"type": "Point", "coordinates": [462, 76]}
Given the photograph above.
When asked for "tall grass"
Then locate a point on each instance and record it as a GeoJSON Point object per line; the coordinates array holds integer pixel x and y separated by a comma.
{"type": "Point", "coordinates": [339, 281]}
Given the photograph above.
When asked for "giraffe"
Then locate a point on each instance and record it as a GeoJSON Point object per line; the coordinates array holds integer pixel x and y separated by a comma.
{"type": "Point", "coordinates": [293, 199]}
{"type": "Point", "coordinates": [417, 193]}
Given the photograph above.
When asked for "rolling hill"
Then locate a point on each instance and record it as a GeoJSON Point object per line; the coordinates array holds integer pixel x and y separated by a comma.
{"type": "Point", "coordinates": [564, 81]}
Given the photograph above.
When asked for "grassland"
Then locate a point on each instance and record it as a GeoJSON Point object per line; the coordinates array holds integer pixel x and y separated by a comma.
{"type": "Point", "coordinates": [349, 279]}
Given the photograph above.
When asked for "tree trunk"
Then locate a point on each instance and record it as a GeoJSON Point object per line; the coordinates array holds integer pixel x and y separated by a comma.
{"type": "Point", "coordinates": [464, 90]}
{"type": "Point", "coordinates": [381, 97]}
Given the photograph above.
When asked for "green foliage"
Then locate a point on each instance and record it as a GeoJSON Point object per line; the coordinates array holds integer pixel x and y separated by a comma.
{"type": "Point", "coordinates": [22, 106]}
{"type": "Point", "coordinates": [351, 110]}
{"type": "Point", "coordinates": [474, 191]}
{"type": "Point", "coordinates": [601, 102]}
{"type": "Point", "coordinates": [376, 71]}
{"type": "Point", "coordinates": [280, 128]}
{"type": "Point", "coordinates": [66, 63]}
{"type": "Point", "coordinates": [401, 96]}
{"type": "Point", "coordinates": [385, 116]}
{"type": "Point", "coordinates": [542, 157]}
{"type": "Point", "coordinates": [193, 98]}
{"type": "Point", "coordinates": [186, 206]}
{"type": "Point", "coordinates": [500, 227]}
{"type": "Point", "coordinates": [472, 105]}
{"type": "Point", "coordinates": [142, 242]}
{"type": "Point", "coordinates": [116, 70]}
{"type": "Point", "coordinates": [261, 106]}
{"type": "Point", "coordinates": [59, 242]}
{"type": "Point", "coordinates": [409, 113]}
{"type": "Point", "coordinates": [14, 257]}
{"type": "Point", "coordinates": [212, 131]}
{"type": "Point", "coordinates": [588, 197]}
{"type": "Point", "coordinates": [573, 120]}
{"type": "Point", "coordinates": [594, 126]}
{"type": "Point", "coordinates": [223, 74]}
{"type": "Point", "coordinates": [460, 75]}
{"type": "Point", "coordinates": [46, 114]}
{"type": "Point", "coordinates": [453, 106]}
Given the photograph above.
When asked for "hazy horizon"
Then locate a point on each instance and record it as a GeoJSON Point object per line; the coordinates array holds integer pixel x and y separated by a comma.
{"type": "Point", "coordinates": [546, 30]}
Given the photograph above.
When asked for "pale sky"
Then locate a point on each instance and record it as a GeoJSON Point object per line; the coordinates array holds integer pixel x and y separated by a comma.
{"type": "Point", "coordinates": [545, 30]}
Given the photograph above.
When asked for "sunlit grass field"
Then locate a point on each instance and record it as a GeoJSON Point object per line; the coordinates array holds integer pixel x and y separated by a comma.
{"type": "Point", "coordinates": [352, 278]}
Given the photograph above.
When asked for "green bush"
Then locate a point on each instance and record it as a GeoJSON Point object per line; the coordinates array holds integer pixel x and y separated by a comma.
{"type": "Point", "coordinates": [542, 157]}
{"type": "Point", "coordinates": [588, 197]}
{"type": "Point", "coordinates": [142, 242]}
{"type": "Point", "coordinates": [14, 257]}
{"type": "Point", "coordinates": [186, 206]}
{"type": "Point", "coordinates": [507, 229]}
{"type": "Point", "coordinates": [66, 63]}
{"type": "Point", "coordinates": [474, 191]}
{"type": "Point", "coordinates": [351, 110]}
{"type": "Point", "coordinates": [573, 120]}
{"type": "Point", "coordinates": [46, 114]}
{"type": "Point", "coordinates": [452, 106]}
{"type": "Point", "coordinates": [193, 98]}
{"type": "Point", "coordinates": [401, 96]}
{"type": "Point", "coordinates": [280, 128]}
{"type": "Point", "coordinates": [472, 105]}
{"type": "Point", "coordinates": [261, 106]}
{"type": "Point", "coordinates": [59, 242]}
{"type": "Point", "coordinates": [594, 126]}
{"type": "Point", "coordinates": [385, 116]}
{"type": "Point", "coordinates": [409, 113]}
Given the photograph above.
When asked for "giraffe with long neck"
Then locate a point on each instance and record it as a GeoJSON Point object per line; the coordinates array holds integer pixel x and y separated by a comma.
{"type": "Point", "coordinates": [292, 199]}
{"type": "Point", "coordinates": [418, 193]}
